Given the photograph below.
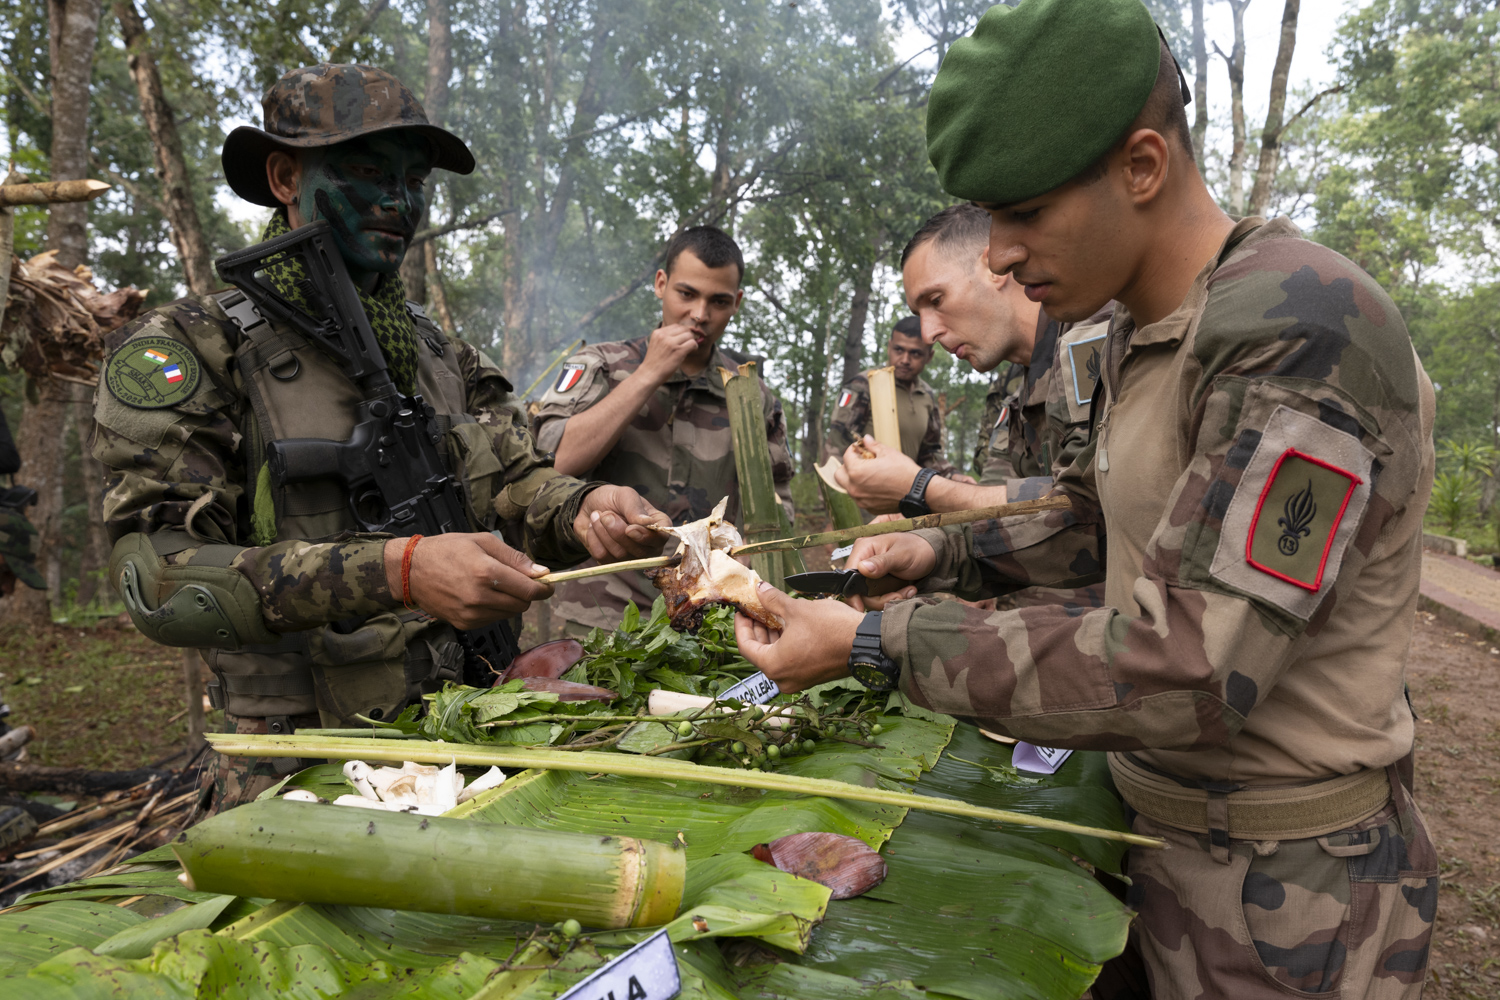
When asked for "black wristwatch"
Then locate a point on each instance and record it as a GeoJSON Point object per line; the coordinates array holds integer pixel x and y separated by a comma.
{"type": "Point", "coordinates": [914, 504]}
{"type": "Point", "coordinates": [868, 663]}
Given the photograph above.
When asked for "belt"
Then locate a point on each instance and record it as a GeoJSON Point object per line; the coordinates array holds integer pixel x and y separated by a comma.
{"type": "Point", "coordinates": [1226, 811]}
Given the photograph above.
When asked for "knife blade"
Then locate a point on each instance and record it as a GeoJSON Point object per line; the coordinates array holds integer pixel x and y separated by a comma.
{"type": "Point", "coordinates": [837, 583]}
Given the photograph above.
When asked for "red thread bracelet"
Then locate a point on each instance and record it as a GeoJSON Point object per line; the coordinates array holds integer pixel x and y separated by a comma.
{"type": "Point", "coordinates": [411, 546]}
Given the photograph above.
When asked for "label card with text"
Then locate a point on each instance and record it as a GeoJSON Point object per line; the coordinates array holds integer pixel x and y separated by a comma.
{"type": "Point", "coordinates": [1039, 760]}
{"type": "Point", "coordinates": [646, 972]}
{"type": "Point", "coordinates": [757, 689]}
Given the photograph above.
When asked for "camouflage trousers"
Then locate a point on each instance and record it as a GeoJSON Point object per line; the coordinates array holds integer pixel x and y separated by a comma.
{"type": "Point", "coordinates": [1346, 915]}
{"type": "Point", "coordinates": [230, 781]}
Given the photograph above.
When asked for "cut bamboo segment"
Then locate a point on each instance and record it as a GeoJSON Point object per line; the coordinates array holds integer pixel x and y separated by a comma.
{"type": "Point", "coordinates": [316, 853]}
{"type": "Point", "coordinates": [842, 510]}
{"type": "Point", "coordinates": [633, 765]}
{"type": "Point", "coordinates": [762, 517]}
{"type": "Point", "coordinates": [883, 419]}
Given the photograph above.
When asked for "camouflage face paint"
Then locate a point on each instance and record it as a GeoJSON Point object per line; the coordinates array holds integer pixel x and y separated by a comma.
{"type": "Point", "coordinates": [371, 190]}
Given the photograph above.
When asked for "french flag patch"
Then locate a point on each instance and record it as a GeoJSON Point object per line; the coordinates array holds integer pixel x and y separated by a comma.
{"type": "Point", "coordinates": [845, 399]}
{"type": "Point", "coordinates": [568, 377]}
{"type": "Point", "coordinates": [173, 373]}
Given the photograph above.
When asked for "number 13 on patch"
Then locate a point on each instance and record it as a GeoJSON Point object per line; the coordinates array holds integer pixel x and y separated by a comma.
{"type": "Point", "coordinates": [1297, 517]}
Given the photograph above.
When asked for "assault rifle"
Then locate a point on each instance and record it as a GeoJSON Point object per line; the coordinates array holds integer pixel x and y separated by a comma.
{"type": "Point", "coordinates": [390, 467]}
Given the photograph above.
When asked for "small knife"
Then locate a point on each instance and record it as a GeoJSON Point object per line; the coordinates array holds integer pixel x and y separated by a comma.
{"type": "Point", "coordinates": [836, 583]}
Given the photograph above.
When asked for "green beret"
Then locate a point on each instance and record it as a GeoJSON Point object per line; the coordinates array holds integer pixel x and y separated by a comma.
{"type": "Point", "coordinates": [1037, 94]}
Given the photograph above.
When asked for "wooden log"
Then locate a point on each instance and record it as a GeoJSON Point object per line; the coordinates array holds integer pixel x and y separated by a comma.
{"type": "Point", "coordinates": [51, 192]}
{"type": "Point", "coordinates": [321, 853]}
{"type": "Point", "coordinates": [15, 739]}
{"type": "Point", "coordinates": [73, 780]}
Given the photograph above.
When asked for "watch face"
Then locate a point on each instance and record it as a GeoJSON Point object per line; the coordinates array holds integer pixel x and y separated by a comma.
{"type": "Point", "coordinates": [872, 676]}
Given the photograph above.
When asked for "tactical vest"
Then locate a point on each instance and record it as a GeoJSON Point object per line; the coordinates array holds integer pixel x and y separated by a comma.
{"type": "Point", "coordinates": [371, 666]}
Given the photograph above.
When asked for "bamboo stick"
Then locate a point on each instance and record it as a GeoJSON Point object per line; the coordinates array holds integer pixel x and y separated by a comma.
{"type": "Point", "coordinates": [51, 192]}
{"type": "Point", "coordinates": [652, 562]}
{"type": "Point", "coordinates": [320, 853]}
{"type": "Point", "coordinates": [885, 425]}
{"type": "Point", "coordinates": [842, 535]}
{"type": "Point", "coordinates": [836, 537]}
{"type": "Point", "coordinates": [575, 345]}
{"type": "Point", "coordinates": [635, 766]}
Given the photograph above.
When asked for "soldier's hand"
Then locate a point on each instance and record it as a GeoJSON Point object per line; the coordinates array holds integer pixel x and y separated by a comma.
{"type": "Point", "coordinates": [668, 346]}
{"type": "Point", "coordinates": [466, 579]}
{"type": "Point", "coordinates": [901, 555]}
{"type": "Point", "coordinates": [877, 484]}
{"type": "Point", "coordinates": [959, 477]}
{"type": "Point", "coordinates": [612, 524]}
{"type": "Point", "coordinates": [813, 647]}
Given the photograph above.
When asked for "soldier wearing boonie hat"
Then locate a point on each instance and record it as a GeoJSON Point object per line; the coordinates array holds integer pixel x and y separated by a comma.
{"type": "Point", "coordinates": [303, 619]}
{"type": "Point", "coordinates": [1261, 461]}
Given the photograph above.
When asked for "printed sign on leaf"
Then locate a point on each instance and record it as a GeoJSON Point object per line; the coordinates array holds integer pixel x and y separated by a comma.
{"type": "Point", "coordinates": [757, 689]}
{"type": "Point", "coordinates": [646, 972]}
{"type": "Point", "coordinates": [152, 373]}
{"type": "Point", "coordinates": [569, 377]}
{"type": "Point", "coordinates": [1297, 516]}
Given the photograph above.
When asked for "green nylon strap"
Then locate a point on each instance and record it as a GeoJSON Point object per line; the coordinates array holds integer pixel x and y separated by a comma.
{"type": "Point", "coordinates": [385, 307]}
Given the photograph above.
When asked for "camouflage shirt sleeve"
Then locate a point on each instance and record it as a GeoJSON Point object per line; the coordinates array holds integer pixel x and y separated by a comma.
{"type": "Point", "coordinates": [851, 417]}
{"type": "Point", "coordinates": [582, 381]}
{"type": "Point", "coordinates": [177, 474]}
{"type": "Point", "coordinates": [536, 503]}
{"type": "Point", "coordinates": [1273, 378]}
{"type": "Point", "coordinates": [932, 453]}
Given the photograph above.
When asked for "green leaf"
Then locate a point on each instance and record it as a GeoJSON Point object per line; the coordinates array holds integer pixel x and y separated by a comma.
{"type": "Point", "coordinates": [137, 941]}
{"type": "Point", "coordinates": [28, 937]}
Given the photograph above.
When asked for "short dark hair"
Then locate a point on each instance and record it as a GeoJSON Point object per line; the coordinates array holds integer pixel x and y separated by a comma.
{"type": "Point", "coordinates": [1165, 111]}
{"type": "Point", "coordinates": [956, 227]}
{"type": "Point", "coordinates": [910, 326]}
{"type": "Point", "coordinates": [709, 244]}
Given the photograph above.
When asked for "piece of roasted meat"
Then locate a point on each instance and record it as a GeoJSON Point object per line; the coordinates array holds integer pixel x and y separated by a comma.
{"type": "Point", "coordinates": [707, 574]}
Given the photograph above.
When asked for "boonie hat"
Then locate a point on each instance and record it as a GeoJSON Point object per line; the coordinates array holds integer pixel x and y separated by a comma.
{"type": "Point", "coordinates": [326, 104]}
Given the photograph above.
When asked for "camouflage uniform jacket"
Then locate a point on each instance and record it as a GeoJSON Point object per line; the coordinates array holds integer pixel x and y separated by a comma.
{"type": "Point", "coordinates": [187, 477]}
{"type": "Point", "coordinates": [677, 453]}
{"type": "Point", "coordinates": [917, 415]}
{"type": "Point", "coordinates": [992, 461]}
{"type": "Point", "coordinates": [1262, 462]}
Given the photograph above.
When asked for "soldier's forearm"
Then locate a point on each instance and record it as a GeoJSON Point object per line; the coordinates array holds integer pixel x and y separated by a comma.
{"type": "Point", "coordinates": [944, 495]}
{"type": "Point", "coordinates": [590, 435]}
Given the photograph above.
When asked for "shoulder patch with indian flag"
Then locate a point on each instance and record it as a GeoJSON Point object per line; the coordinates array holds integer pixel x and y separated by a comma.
{"type": "Point", "coordinates": [1294, 512]}
{"type": "Point", "coordinates": [152, 373]}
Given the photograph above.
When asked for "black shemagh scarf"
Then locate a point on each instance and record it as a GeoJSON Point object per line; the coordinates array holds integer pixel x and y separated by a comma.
{"type": "Point", "coordinates": [385, 306]}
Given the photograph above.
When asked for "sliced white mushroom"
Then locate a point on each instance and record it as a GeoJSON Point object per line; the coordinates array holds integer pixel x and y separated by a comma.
{"type": "Point", "coordinates": [358, 773]}
{"type": "Point", "coordinates": [301, 795]}
{"type": "Point", "coordinates": [359, 801]}
{"type": "Point", "coordinates": [492, 778]}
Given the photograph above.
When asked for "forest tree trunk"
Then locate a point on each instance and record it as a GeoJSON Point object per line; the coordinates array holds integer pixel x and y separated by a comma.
{"type": "Point", "coordinates": [859, 315]}
{"type": "Point", "coordinates": [161, 124]}
{"type": "Point", "coordinates": [73, 28]}
{"type": "Point", "coordinates": [1236, 61]}
{"type": "Point", "coordinates": [1200, 86]}
{"type": "Point", "coordinates": [1270, 137]}
{"type": "Point", "coordinates": [96, 547]}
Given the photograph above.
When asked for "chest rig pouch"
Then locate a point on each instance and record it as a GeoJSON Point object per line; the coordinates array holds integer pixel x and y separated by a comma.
{"type": "Point", "coordinates": [370, 667]}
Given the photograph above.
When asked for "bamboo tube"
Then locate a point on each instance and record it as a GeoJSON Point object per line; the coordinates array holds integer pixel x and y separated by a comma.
{"type": "Point", "coordinates": [836, 537]}
{"type": "Point", "coordinates": [319, 853]}
{"type": "Point", "coordinates": [843, 512]}
{"type": "Point", "coordinates": [636, 766]}
{"type": "Point", "coordinates": [51, 192]}
{"type": "Point", "coordinates": [760, 508]}
{"type": "Point", "coordinates": [886, 426]}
